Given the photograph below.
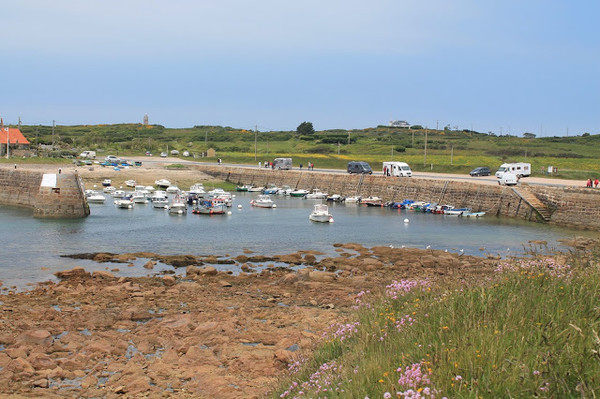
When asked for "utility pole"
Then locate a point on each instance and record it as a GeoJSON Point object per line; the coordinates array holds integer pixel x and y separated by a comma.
{"type": "Point", "coordinates": [348, 137]}
{"type": "Point", "coordinates": [451, 153]}
{"type": "Point", "coordinates": [392, 153]}
{"type": "Point", "coordinates": [338, 148]}
{"type": "Point", "coordinates": [425, 152]}
{"type": "Point", "coordinates": [53, 126]}
{"type": "Point", "coordinates": [255, 140]}
{"type": "Point", "coordinates": [37, 141]}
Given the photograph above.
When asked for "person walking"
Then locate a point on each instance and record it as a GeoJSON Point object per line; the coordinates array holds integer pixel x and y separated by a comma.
{"type": "Point", "coordinates": [595, 182]}
{"type": "Point", "coordinates": [589, 183]}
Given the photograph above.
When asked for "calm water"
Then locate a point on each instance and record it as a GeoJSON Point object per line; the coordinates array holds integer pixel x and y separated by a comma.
{"type": "Point", "coordinates": [31, 248]}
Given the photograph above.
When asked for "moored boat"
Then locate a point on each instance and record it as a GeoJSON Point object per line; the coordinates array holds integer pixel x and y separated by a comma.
{"type": "Point", "coordinates": [272, 189]}
{"type": "Point", "coordinates": [335, 198]}
{"type": "Point", "coordinates": [299, 193]}
{"type": "Point", "coordinates": [126, 202]}
{"type": "Point", "coordinates": [473, 214]}
{"type": "Point", "coordinates": [214, 206]}
{"type": "Point", "coordinates": [95, 197]}
{"type": "Point", "coordinates": [316, 194]}
{"type": "Point", "coordinates": [284, 190]}
{"type": "Point", "coordinates": [457, 211]}
{"type": "Point", "coordinates": [263, 201]}
{"type": "Point", "coordinates": [130, 183]}
{"type": "Point", "coordinates": [372, 201]}
{"type": "Point", "coordinates": [106, 182]}
{"type": "Point", "coordinates": [321, 214]}
{"type": "Point", "coordinates": [245, 187]}
{"type": "Point", "coordinates": [177, 206]}
{"type": "Point", "coordinates": [162, 183]}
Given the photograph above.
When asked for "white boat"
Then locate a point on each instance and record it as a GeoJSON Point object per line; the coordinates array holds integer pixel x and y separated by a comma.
{"type": "Point", "coordinates": [130, 183]}
{"type": "Point", "coordinates": [219, 193]}
{"type": "Point", "coordinates": [473, 214]}
{"type": "Point", "coordinates": [284, 190]}
{"type": "Point", "coordinates": [140, 197]}
{"type": "Point", "coordinates": [125, 202]}
{"type": "Point", "coordinates": [173, 190]}
{"type": "Point", "coordinates": [95, 197]}
{"type": "Point", "coordinates": [457, 211]}
{"type": "Point", "coordinates": [162, 183]}
{"type": "Point", "coordinates": [106, 182]}
{"type": "Point", "coordinates": [335, 198]}
{"type": "Point", "coordinates": [118, 194]}
{"type": "Point", "coordinates": [178, 206]}
{"type": "Point", "coordinates": [263, 201]}
{"type": "Point", "coordinates": [321, 214]}
{"type": "Point", "coordinates": [197, 189]}
{"type": "Point", "coordinates": [355, 199]}
{"type": "Point", "coordinates": [214, 206]}
{"type": "Point", "coordinates": [256, 189]}
{"type": "Point", "coordinates": [159, 199]}
{"type": "Point", "coordinates": [316, 194]}
{"type": "Point", "coordinates": [299, 193]}
{"type": "Point", "coordinates": [272, 189]}
{"type": "Point", "coordinates": [109, 189]}
{"type": "Point", "coordinates": [150, 189]}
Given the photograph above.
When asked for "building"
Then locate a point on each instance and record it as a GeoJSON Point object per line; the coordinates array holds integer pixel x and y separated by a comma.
{"type": "Point", "coordinates": [399, 124]}
{"type": "Point", "coordinates": [145, 120]}
{"type": "Point", "coordinates": [13, 136]}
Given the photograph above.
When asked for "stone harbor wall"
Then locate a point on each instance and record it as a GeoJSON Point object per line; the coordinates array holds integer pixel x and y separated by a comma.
{"type": "Point", "coordinates": [573, 207]}
{"type": "Point", "coordinates": [50, 195]}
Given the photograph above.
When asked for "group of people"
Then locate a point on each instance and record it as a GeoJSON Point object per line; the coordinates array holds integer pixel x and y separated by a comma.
{"type": "Point", "coordinates": [311, 166]}
{"type": "Point", "coordinates": [591, 183]}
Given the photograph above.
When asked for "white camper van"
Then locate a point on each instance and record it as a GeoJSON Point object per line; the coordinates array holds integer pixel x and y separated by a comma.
{"type": "Point", "coordinates": [400, 169]}
{"type": "Point", "coordinates": [88, 155]}
{"type": "Point", "coordinates": [282, 163]}
{"type": "Point", "coordinates": [519, 169]}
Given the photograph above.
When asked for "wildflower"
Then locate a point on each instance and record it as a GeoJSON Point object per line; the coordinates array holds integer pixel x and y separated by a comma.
{"type": "Point", "coordinates": [458, 378]}
{"type": "Point", "coordinates": [387, 395]}
{"type": "Point", "coordinates": [536, 372]}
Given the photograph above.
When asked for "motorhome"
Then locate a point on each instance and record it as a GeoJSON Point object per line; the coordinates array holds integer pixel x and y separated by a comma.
{"type": "Point", "coordinates": [519, 169]}
{"type": "Point", "coordinates": [88, 155]}
{"type": "Point", "coordinates": [282, 163]}
{"type": "Point", "coordinates": [400, 169]}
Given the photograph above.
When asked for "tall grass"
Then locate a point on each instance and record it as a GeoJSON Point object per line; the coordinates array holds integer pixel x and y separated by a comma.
{"type": "Point", "coordinates": [531, 330]}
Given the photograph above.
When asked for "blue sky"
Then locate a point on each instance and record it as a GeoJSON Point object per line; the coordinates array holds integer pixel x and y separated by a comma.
{"type": "Point", "coordinates": [500, 66]}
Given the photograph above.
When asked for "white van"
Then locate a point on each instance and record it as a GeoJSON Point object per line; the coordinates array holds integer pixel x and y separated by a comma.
{"type": "Point", "coordinates": [508, 179]}
{"type": "Point", "coordinates": [88, 155]}
{"type": "Point", "coordinates": [520, 169]}
{"type": "Point", "coordinates": [400, 169]}
{"type": "Point", "coordinates": [282, 163]}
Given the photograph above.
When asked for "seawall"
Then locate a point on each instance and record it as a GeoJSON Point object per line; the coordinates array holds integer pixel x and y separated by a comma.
{"type": "Point", "coordinates": [50, 195]}
{"type": "Point", "coordinates": [573, 207]}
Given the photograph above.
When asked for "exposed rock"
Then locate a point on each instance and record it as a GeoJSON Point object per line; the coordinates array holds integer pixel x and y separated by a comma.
{"type": "Point", "coordinates": [76, 272]}
{"type": "Point", "coordinates": [103, 274]}
{"type": "Point", "coordinates": [36, 337]}
{"type": "Point", "coordinates": [323, 277]}
{"type": "Point", "coordinates": [149, 265]}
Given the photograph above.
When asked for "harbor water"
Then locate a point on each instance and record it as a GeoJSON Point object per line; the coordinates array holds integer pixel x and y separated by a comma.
{"type": "Point", "coordinates": [33, 249]}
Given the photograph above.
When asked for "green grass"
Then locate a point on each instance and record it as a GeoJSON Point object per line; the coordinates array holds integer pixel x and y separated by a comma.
{"type": "Point", "coordinates": [531, 331]}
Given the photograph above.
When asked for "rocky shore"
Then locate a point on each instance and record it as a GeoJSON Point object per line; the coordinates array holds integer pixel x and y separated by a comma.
{"type": "Point", "coordinates": [204, 334]}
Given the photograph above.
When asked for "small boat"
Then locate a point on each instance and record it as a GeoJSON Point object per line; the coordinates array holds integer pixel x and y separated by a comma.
{"type": "Point", "coordinates": [130, 183]}
{"type": "Point", "coordinates": [173, 190]}
{"type": "Point", "coordinates": [284, 190]}
{"type": "Point", "coordinates": [299, 193]}
{"type": "Point", "coordinates": [95, 197]}
{"type": "Point", "coordinates": [442, 208]}
{"type": "Point", "coordinates": [150, 189]}
{"type": "Point", "coordinates": [372, 201]}
{"type": "Point", "coordinates": [125, 202]}
{"type": "Point", "coordinates": [321, 214]}
{"type": "Point", "coordinates": [214, 206]}
{"type": "Point", "coordinates": [118, 194]}
{"type": "Point", "coordinates": [162, 183]}
{"type": "Point", "coordinates": [401, 205]}
{"type": "Point", "coordinates": [253, 189]}
{"type": "Point", "coordinates": [263, 201]}
{"type": "Point", "coordinates": [109, 189]}
{"type": "Point", "coordinates": [473, 214]}
{"type": "Point", "coordinates": [221, 194]}
{"type": "Point", "coordinates": [196, 191]}
{"type": "Point", "coordinates": [418, 205]}
{"type": "Point", "coordinates": [272, 189]}
{"type": "Point", "coordinates": [159, 199]}
{"type": "Point", "coordinates": [139, 197]}
{"type": "Point", "coordinates": [106, 182]}
{"type": "Point", "coordinates": [457, 211]}
{"type": "Point", "coordinates": [245, 187]}
{"type": "Point", "coordinates": [355, 199]}
{"type": "Point", "coordinates": [177, 206]}
{"type": "Point", "coordinates": [316, 194]}
{"type": "Point", "coordinates": [335, 198]}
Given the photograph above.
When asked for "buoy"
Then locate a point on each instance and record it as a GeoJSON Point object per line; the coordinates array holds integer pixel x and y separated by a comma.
{"type": "Point", "coordinates": [166, 206]}
{"type": "Point", "coordinates": [229, 212]}
{"type": "Point", "coordinates": [180, 212]}
{"type": "Point", "coordinates": [130, 206]}
{"type": "Point", "coordinates": [240, 206]}
{"type": "Point", "coordinates": [406, 220]}
{"type": "Point", "coordinates": [274, 206]}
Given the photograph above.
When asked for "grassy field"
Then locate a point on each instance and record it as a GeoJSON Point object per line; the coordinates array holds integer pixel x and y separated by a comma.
{"type": "Point", "coordinates": [575, 157]}
{"type": "Point", "coordinates": [529, 331]}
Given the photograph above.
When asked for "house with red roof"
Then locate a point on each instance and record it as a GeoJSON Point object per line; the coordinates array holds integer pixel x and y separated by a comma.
{"type": "Point", "coordinates": [14, 137]}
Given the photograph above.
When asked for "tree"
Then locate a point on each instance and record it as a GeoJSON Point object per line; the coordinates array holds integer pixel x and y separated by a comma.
{"type": "Point", "coordinates": [529, 135]}
{"type": "Point", "coordinates": [305, 128]}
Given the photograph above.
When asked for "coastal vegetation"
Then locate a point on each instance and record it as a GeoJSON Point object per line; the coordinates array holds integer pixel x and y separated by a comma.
{"type": "Point", "coordinates": [532, 330]}
{"type": "Point", "coordinates": [454, 151]}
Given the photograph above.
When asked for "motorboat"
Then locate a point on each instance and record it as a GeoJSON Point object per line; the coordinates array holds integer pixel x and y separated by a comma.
{"type": "Point", "coordinates": [457, 211]}
{"type": "Point", "coordinates": [418, 205]}
{"type": "Point", "coordinates": [263, 201]}
{"type": "Point", "coordinates": [221, 194]}
{"type": "Point", "coordinates": [213, 206]}
{"type": "Point", "coordinates": [196, 193]}
{"type": "Point", "coordinates": [245, 187]}
{"type": "Point", "coordinates": [321, 214]}
{"type": "Point", "coordinates": [272, 189]}
{"type": "Point", "coordinates": [253, 189]}
{"type": "Point", "coordinates": [159, 199]}
{"type": "Point", "coordinates": [95, 197]}
{"type": "Point", "coordinates": [316, 194]}
{"type": "Point", "coordinates": [372, 201]}
{"type": "Point", "coordinates": [284, 190]}
{"type": "Point", "coordinates": [173, 190]}
{"type": "Point", "coordinates": [125, 202]}
{"type": "Point", "coordinates": [150, 189]}
{"type": "Point", "coordinates": [106, 182]}
{"type": "Point", "coordinates": [130, 183]}
{"type": "Point", "coordinates": [118, 194]}
{"type": "Point", "coordinates": [139, 197]}
{"type": "Point", "coordinates": [177, 206]}
{"type": "Point", "coordinates": [299, 193]}
{"type": "Point", "coordinates": [109, 189]}
{"type": "Point", "coordinates": [162, 183]}
{"type": "Point", "coordinates": [354, 199]}
{"type": "Point", "coordinates": [442, 208]}
{"type": "Point", "coordinates": [335, 198]}
{"type": "Point", "coordinates": [473, 214]}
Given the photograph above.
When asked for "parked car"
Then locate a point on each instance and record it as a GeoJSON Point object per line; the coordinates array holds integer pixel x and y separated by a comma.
{"type": "Point", "coordinates": [163, 154]}
{"type": "Point", "coordinates": [481, 171]}
{"type": "Point", "coordinates": [112, 159]}
{"type": "Point", "coordinates": [148, 154]}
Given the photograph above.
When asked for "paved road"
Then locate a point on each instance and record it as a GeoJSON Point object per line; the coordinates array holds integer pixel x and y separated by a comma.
{"type": "Point", "coordinates": [428, 175]}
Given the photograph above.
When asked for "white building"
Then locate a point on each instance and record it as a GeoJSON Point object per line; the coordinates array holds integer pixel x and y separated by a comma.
{"type": "Point", "coordinates": [399, 124]}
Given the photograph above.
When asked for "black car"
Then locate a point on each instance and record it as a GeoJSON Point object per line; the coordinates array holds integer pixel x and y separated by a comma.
{"type": "Point", "coordinates": [480, 171]}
